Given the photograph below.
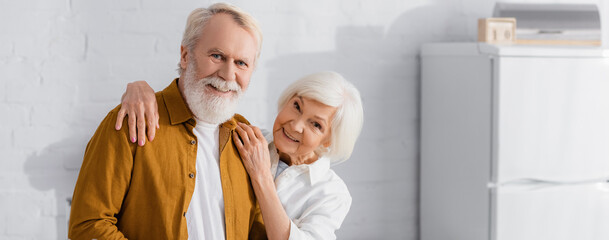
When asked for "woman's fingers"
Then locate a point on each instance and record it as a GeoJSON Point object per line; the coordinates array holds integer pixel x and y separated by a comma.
{"type": "Point", "coordinates": [141, 126]}
{"type": "Point", "coordinates": [243, 152]}
{"type": "Point", "coordinates": [156, 116]}
{"type": "Point", "coordinates": [151, 112]}
{"type": "Point", "coordinates": [139, 105]}
{"type": "Point", "coordinates": [151, 127]}
{"type": "Point", "coordinates": [132, 128]}
{"type": "Point", "coordinates": [244, 136]}
{"type": "Point", "coordinates": [259, 135]}
{"type": "Point", "coordinates": [238, 143]}
{"type": "Point", "coordinates": [119, 120]}
{"type": "Point", "coordinates": [251, 131]}
{"type": "Point", "coordinates": [254, 153]}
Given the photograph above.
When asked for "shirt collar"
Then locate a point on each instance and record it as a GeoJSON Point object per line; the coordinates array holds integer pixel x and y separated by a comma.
{"type": "Point", "coordinates": [316, 170]}
{"type": "Point", "coordinates": [176, 106]}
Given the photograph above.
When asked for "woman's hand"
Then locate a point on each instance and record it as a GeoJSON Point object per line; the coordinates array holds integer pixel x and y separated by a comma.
{"type": "Point", "coordinates": [254, 151]}
{"type": "Point", "coordinates": [139, 103]}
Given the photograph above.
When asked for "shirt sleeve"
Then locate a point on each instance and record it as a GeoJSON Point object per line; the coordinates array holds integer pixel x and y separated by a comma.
{"type": "Point", "coordinates": [102, 183]}
{"type": "Point", "coordinates": [322, 218]}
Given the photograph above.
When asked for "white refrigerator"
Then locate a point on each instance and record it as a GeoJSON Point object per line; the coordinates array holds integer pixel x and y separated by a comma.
{"type": "Point", "coordinates": [514, 142]}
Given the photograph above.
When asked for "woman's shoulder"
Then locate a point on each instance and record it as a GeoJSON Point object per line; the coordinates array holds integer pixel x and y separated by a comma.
{"type": "Point", "coordinates": [268, 135]}
{"type": "Point", "coordinates": [330, 181]}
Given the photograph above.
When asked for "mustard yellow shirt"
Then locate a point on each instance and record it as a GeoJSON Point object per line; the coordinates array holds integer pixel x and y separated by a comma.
{"type": "Point", "coordinates": [127, 191]}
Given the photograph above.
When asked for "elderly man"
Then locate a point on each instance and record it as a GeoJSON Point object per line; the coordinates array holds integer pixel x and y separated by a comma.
{"type": "Point", "coordinates": [190, 182]}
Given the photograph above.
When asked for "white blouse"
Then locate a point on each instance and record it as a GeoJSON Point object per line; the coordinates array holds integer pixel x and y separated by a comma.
{"type": "Point", "coordinates": [313, 196]}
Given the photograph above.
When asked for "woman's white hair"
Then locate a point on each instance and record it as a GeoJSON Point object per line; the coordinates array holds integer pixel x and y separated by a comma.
{"type": "Point", "coordinates": [199, 17]}
{"type": "Point", "coordinates": [330, 88]}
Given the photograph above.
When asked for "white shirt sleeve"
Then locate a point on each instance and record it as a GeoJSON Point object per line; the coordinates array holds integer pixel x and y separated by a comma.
{"type": "Point", "coordinates": [322, 218]}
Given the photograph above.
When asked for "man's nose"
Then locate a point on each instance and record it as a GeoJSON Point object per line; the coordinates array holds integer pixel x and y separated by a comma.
{"type": "Point", "coordinates": [228, 71]}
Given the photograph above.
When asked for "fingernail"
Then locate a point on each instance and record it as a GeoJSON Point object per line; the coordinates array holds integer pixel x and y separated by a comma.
{"type": "Point", "coordinates": [141, 142]}
{"type": "Point", "coordinates": [116, 127]}
{"type": "Point", "coordinates": [133, 140]}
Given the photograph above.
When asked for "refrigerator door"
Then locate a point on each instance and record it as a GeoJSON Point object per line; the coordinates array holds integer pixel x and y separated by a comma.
{"type": "Point", "coordinates": [552, 118]}
{"type": "Point", "coordinates": [551, 212]}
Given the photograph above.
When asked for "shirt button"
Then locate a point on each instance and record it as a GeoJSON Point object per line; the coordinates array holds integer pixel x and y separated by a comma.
{"type": "Point", "coordinates": [191, 175]}
{"type": "Point", "coordinates": [193, 142]}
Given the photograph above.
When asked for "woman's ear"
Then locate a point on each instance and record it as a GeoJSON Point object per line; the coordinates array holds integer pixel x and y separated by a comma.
{"type": "Point", "coordinates": [327, 142]}
{"type": "Point", "coordinates": [322, 149]}
{"type": "Point", "coordinates": [183, 57]}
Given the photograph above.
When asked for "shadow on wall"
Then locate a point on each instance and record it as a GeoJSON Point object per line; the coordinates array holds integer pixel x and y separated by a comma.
{"type": "Point", "coordinates": [384, 64]}
{"type": "Point", "coordinates": [55, 169]}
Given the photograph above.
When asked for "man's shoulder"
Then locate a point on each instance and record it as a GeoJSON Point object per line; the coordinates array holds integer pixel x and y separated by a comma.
{"type": "Point", "coordinates": [232, 123]}
{"type": "Point", "coordinates": [159, 99]}
{"type": "Point", "coordinates": [240, 118]}
{"type": "Point", "coordinates": [115, 110]}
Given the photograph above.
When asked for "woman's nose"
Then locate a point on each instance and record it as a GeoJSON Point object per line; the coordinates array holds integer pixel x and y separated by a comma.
{"type": "Point", "coordinates": [298, 125]}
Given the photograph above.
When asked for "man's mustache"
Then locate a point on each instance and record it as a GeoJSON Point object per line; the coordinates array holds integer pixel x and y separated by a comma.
{"type": "Point", "coordinates": [220, 84]}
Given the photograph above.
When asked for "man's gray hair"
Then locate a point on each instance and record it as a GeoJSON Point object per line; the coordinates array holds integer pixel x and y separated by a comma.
{"type": "Point", "coordinates": [200, 16]}
{"type": "Point", "coordinates": [330, 88]}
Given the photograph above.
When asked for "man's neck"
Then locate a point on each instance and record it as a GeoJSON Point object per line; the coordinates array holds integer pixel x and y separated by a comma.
{"type": "Point", "coordinates": [206, 124]}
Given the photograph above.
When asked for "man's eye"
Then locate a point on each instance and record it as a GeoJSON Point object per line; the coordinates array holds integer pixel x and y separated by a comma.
{"type": "Point", "coordinates": [241, 63]}
{"type": "Point", "coordinates": [216, 56]}
{"type": "Point", "coordinates": [296, 106]}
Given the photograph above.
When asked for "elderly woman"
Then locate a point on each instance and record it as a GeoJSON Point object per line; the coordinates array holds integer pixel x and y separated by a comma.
{"type": "Point", "coordinates": [320, 117]}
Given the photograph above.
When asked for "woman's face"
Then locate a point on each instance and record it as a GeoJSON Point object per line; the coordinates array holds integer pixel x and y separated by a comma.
{"type": "Point", "coordinates": [301, 126]}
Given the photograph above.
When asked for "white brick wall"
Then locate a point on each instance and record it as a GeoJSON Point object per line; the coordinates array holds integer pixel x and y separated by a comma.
{"type": "Point", "coordinates": [65, 63]}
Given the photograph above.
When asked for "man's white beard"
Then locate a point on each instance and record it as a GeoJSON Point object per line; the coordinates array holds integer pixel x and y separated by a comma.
{"type": "Point", "coordinates": [206, 106]}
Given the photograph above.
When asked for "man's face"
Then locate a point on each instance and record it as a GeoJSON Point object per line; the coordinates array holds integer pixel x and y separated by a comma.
{"type": "Point", "coordinates": [224, 50]}
{"type": "Point", "coordinates": [218, 69]}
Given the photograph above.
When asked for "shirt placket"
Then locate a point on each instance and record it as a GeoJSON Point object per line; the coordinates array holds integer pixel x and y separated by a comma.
{"type": "Point", "coordinates": [191, 161]}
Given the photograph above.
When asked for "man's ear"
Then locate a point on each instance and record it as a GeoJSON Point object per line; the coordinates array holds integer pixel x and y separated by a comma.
{"type": "Point", "coordinates": [183, 57]}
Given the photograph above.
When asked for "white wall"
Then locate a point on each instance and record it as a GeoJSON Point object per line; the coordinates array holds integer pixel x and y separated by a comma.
{"type": "Point", "coordinates": [65, 63]}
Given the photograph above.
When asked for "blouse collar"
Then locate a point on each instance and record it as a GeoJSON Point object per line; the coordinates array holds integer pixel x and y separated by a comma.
{"type": "Point", "coordinates": [316, 169]}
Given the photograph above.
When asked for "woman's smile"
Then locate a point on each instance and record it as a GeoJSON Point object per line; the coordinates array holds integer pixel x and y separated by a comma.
{"type": "Point", "coordinates": [289, 136]}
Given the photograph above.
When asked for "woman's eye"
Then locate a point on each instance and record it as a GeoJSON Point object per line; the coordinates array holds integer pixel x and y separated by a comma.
{"type": "Point", "coordinates": [317, 125]}
{"type": "Point", "coordinates": [296, 106]}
